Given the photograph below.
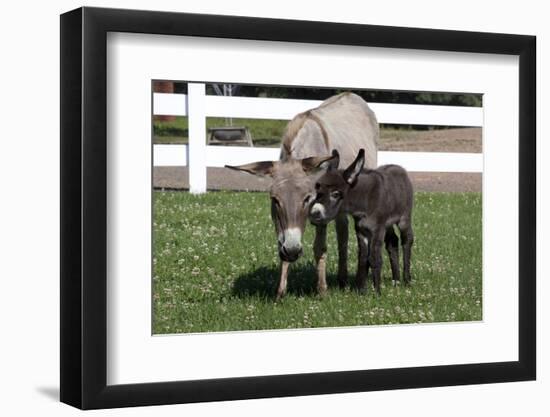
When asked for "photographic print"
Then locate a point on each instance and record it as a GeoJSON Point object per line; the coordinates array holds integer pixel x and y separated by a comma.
{"type": "Point", "coordinates": [289, 207]}
{"type": "Point", "coordinates": [240, 188]}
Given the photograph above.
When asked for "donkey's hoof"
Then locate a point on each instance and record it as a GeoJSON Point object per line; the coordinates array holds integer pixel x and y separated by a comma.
{"type": "Point", "coordinates": [342, 281]}
{"type": "Point", "coordinates": [361, 289]}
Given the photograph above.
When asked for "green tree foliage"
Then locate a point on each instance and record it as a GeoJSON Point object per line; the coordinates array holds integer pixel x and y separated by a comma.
{"type": "Point", "coordinates": [376, 96]}
{"type": "Point", "coordinates": [380, 96]}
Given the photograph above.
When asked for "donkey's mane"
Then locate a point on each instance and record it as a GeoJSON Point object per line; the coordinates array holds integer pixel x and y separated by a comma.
{"type": "Point", "coordinates": [297, 123]}
{"type": "Point", "coordinates": [292, 129]}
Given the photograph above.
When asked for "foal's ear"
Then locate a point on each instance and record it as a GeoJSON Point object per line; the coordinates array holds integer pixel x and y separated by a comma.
{"type": "Point", "coordinates": [352, 172]}
{"type": "Point", "coordinates": [316, 163]}
{"type": "Point", "coordinates": [262, 169]}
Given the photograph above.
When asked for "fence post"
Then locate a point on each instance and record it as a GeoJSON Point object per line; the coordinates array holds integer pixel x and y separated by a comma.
{"type": "Point", "coordinates": [196, 151]}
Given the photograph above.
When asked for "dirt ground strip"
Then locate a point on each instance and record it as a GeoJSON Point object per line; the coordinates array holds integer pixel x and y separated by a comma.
{"type": "Point", "coordinates": [437, 140]}
{"type": "Point", "coordinates": [177, 178]}
{"type": "Point", "coordinates": [467, 139]}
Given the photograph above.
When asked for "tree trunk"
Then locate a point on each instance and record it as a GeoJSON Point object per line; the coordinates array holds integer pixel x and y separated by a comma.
{"type": "Point", "coordinates": [164, 87]}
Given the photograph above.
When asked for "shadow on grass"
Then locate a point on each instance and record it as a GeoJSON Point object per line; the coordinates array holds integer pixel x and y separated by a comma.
{"type": "Point", "coordinates": [263, 282]}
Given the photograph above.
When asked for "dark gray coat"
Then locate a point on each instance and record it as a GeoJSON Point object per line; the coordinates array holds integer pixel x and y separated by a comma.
{"type": "Point", "coordinates": [377, 199]}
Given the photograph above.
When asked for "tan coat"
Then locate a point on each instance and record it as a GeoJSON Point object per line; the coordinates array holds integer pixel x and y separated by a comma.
{"type": "Point", "coordinates": [343, 122]}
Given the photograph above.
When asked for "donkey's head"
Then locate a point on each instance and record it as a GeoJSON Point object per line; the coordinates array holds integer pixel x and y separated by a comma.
{"type": "Point", "coordinates": [332, 188]}
{"type": "Point", "coordinates": [292, 193]}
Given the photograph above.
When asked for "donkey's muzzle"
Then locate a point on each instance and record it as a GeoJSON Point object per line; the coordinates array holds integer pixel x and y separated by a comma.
{"type": "Point", "coordinates": [290, 254]}
{"type": "Point", "coordinates": [290, 244]}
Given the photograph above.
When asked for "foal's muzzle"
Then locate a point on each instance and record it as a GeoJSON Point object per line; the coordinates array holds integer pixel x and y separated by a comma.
{"type": "Point", "coordinates": [316, 218]}
{"type": "Point", "coordinates": [317, 214]}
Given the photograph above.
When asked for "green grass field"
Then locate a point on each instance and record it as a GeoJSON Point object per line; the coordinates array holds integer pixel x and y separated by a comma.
{"type": "Point", "coordinates": [265, 133]}
{"type": "Point", "coordinates": [216, 268]}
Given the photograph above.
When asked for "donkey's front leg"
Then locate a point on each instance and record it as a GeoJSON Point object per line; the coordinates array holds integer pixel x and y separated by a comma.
{"type": "Point", "coordinates": [342, 233]}
{"type": "Point", "coordinates": [283, 280]}
{"type": "Point", "coordinates": [320, 252]}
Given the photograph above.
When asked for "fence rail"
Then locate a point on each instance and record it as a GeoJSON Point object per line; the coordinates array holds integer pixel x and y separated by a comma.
{"type": "Point", "coordinates": [198, 156]}
{"type": "Point", "coordinates": [218, 156]}
{"type": "Point", "coordinates": [286, 109]}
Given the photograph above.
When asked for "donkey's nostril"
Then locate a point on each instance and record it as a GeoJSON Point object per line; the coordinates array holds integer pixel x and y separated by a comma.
{"type": "Point", "coordinates": [283, 250]}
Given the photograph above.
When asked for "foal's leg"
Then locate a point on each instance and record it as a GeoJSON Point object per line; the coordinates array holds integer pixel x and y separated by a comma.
{"type": "Point", "coordinates": [392, 246]}
{"type": "Point", "coordinates": [362, 258]}
{"type": "Point", "coordinates": [342, 235]}
{"type": "Point", "coordinates": [320, 252]}
{"type": "Point", "coordinates": [375, 256]}
{"type": "Point", "coordinates": [407, 239]}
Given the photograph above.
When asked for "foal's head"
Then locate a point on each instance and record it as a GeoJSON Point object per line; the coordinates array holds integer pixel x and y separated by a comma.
{"type": "Point", "coordinates": [292, 193]}
{"type": "Point", "coordinates": [332, 188]}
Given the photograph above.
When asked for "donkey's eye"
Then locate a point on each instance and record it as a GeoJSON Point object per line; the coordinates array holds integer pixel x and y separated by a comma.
{"type": "Point", "coordinates": [337, 195]}
{"type": "Point", "coordinates": [317, 186]}
{"type": "Point", "coordinates": [308, 199]}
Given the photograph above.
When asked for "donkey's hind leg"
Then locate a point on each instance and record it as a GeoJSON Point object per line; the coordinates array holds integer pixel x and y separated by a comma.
{"type": "Point", "coordinates": [363, 248]}
{"type": "Point", "coordinates": [407, 239]}
{"type": "Point", "coordinates": [375, 255]}
{"type": "Point", "coordinates": [392, 246]}
{"type": "Point", "coordinates": [342, 234]}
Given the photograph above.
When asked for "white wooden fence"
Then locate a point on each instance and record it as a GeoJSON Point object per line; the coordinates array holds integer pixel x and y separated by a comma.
{"type": "Point", "coordinates": [197, 155]}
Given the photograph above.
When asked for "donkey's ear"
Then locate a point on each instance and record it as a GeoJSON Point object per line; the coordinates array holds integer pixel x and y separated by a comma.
{"type": "Point", "coordinates": [333, 162]}
{"type": "Point", "coordinates": [316, 163]}
{"type": "Point", "coordinates": [262, 169]}
{"type": "Point", "coordinates": [352, 172]}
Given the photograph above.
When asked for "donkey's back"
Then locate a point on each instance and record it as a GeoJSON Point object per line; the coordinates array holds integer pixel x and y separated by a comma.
{"type": "Point", "coordinates": [396, 196]}
{"type": "Point", "coordinates": [343, 122]}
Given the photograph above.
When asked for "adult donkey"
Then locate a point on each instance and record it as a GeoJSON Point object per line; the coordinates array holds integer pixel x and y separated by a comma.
{"type": "Point", "coordinates": [343, 122]}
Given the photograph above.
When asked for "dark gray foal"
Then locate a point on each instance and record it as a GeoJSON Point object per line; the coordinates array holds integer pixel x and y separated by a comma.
{"type": "Point", "coordinates": [377, 200]}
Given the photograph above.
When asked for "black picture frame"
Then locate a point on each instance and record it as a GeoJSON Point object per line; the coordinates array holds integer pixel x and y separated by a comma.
{"type": "Point", "coordinates": [84, 207]}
